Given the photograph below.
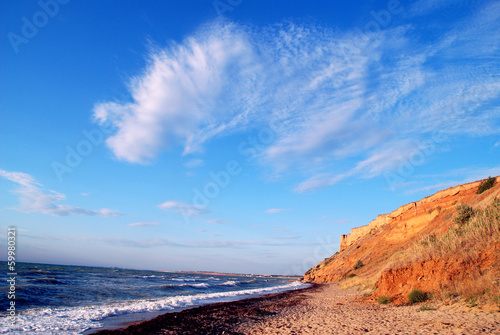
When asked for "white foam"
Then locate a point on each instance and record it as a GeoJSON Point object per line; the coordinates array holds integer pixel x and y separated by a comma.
{"type": "Point", "coordinates": [183, 279]}
{"type": "Point", "coordinates": [74, 320]}
{"type": "Point", "coordinates": [200, 285]}
{"type": "Point", "coordinates": [229, 283]}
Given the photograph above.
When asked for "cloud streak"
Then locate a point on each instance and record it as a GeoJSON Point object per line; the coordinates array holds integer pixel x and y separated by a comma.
{"type": "Point", "coordinates": [183, 208]}
{"type": "Point", "coordinates": [143, 224]}
{"type": "Point", "coordinates": [160, 242]}
{"type": "Point", "coordinates": [277, 210]}
{"type": "Point", "coordinates": [33, 198]}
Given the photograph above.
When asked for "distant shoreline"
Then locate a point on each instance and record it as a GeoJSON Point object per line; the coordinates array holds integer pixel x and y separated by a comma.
{"type": "Point", "coordinates": [233, 274]}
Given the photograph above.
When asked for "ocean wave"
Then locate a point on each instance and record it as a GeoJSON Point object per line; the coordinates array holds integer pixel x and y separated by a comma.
{"type": "Point", "coordinates": [199, 285]}
{"type": "Point", "coordinates": [196, 285]}
{"type": "Point", "coordinates": [74, 320]}
{"type": "Point", "coordinates": [183, 279]}
{"type": "Point", "coordinates": [228, 283]}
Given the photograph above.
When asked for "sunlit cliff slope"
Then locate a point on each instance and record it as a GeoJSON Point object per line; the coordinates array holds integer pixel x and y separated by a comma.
{"type": "Point", "coordinates": [424, 245]}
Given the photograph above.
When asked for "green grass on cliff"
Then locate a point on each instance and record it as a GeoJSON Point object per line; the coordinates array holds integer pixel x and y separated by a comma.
{"type": "Point", "coordinates": [486, 185]}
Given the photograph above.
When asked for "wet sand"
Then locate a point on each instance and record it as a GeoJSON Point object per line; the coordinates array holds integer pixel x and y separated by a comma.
{"type": "Point", "coordinates": [321, 309]}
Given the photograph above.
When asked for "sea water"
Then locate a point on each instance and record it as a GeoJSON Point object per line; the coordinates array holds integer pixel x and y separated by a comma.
{"type": "Point", "coordinates": [58, 299]}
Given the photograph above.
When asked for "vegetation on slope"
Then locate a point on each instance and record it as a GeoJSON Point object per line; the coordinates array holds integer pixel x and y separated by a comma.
{"type": "Point", "coordinates": [486, 185]}
{"type": "Point", "coordinates": [472, 245]}
{"type": "Point", "coordinates": [474, 231]}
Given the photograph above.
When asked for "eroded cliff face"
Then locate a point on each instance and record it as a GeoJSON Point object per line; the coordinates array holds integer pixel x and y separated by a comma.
{"type": "Point", "coordinates": [377, 243]}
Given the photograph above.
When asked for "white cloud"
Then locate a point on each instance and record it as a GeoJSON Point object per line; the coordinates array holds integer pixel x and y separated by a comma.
{"type": "Point", "coordinates": [277, 210]}
{"type": "Point", "coordinates": [424, 7]}
{"type": "Point", "coordinates": [380, 160]}
{"type": "Point", "coordinates": [434, 183]}
{"type": "Point", "coordinates": [177, 99]}
{"type": "Point", "coordinates": [143, 224]}
{"type": "Point", "coordinates": [319, 181]}
{"type": "Point", "coordinates": [496, 145]}
{"type": "Point", "coordinates": [34, 199]}
{"type": "Point", "coordinates": [183, 208]}
{"type": "Point", "coordinates": [328, 98]}
{"type": "Point", "coordinates": [282, 229]}
{"type": "Point", "coordinates": [217, 221]}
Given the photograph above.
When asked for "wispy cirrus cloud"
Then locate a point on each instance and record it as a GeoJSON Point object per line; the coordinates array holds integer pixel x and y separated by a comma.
{"type": "Point", "coordinates": [33, 198]}
{"type": "Point", "coordinates": [143, 224]}
{"type": "Point", "coordinates": [277, 210]}
{"type": "Point", "coordinates": [282, 229]}
{"type": "Point", "coordinates": [217, 221]}
{"type": "Point", "coordinates": [343, 104]}
{"type": "Point", "coordinates": [183, 208]}
{"type": "Point", "coordinates": [450, 178]}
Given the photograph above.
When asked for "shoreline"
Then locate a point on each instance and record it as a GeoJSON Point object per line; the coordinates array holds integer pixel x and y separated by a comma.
{"type": "Point", "coordinates": [319, 309]}
{"type": "Point", "coordinates": [216, 317]}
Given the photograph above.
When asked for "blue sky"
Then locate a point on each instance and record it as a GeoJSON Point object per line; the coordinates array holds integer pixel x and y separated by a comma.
{"type": "Point", "coordinates": [236, 136]}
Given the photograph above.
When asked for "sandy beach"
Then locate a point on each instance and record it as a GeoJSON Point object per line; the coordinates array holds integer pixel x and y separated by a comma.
{"type": "Point", "coordinates": [321, 309]}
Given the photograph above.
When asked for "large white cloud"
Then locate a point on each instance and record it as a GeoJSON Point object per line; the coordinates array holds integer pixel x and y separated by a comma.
{"type": "Point", "coordinates": [327, 96]}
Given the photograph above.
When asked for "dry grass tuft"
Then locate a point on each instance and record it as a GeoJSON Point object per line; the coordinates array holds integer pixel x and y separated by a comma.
{"type": "Point", "coordinates": [475, 230]}
{"type": "Point", "coordinates": [362, 283]}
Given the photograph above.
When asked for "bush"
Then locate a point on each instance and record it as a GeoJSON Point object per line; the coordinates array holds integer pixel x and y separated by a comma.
{"type": "Point", "coordinates": [417, 296]}
{"type": "Point", "coordinates": [350, 275]}
{"type": "Point", "coordinates": [486, 185]}
{"type": "Point", "coordinates": [465, 213]}
{"type": "Point", "coordinates": [384, 300]}
{"type": "Point", "coordinates": [358, 265]}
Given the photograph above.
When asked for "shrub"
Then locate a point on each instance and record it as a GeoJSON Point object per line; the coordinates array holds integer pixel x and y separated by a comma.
{"type": "Point", "coordinates": [358, 265]}
{"type": "Point", "coordinates": [465, 213]}
{"type": "Point", "coordinates": [416, 296]}
{"type": "Point", "coordinates": [384, 300]}
{"type": "Point", "coordinates": [486, 185]}
{"type": "Point", "coordinates": [350, 275]}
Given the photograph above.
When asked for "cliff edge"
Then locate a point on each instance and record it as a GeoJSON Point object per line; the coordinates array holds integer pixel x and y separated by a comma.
{"type": "Point", "coordinates": [390, 253]}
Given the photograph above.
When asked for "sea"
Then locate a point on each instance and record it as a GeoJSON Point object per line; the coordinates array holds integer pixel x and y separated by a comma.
{"type": "Point", "coordinates": [60, 299]}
